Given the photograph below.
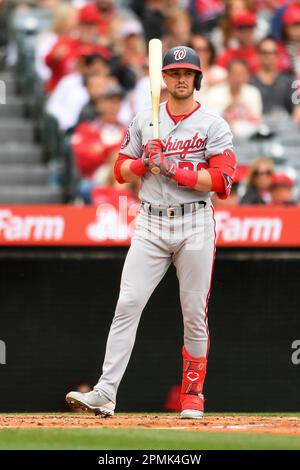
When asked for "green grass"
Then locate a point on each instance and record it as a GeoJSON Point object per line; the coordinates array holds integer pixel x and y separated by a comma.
{"type": "Point", "coordinates": [141, 439]}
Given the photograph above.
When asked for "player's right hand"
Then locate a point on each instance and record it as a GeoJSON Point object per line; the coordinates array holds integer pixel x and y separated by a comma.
{"type": "Point", "coordinates": [154, 161]}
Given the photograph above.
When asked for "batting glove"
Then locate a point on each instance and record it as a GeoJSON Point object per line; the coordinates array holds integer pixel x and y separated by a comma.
{"type": "Point", "coordinates": [167, 168]}
{"type": "Point", "coordinates": [153, 146]}
{"type": "Point", "coordinates": [154, 160]}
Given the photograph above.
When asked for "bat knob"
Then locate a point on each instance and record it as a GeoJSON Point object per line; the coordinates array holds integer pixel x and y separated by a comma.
{"type": "Point", "coordinates": [155, 170]}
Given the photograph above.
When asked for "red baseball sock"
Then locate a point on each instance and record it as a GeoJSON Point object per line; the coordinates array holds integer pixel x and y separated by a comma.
{"type": "Point", "coordinates": [194, 371]}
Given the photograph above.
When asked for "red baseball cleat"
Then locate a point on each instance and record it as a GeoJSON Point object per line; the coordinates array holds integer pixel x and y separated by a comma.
{"type": "Point", "coordinates": [192, 406]}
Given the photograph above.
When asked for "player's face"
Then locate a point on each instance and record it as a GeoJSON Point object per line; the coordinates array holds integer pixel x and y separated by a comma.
{"type": "Point", "coordinates": [180, 82]}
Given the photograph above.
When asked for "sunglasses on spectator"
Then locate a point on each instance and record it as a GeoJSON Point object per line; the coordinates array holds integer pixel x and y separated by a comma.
{"type": "Point", "coordinates": [263, 173]}
{"type": "Point", "coordinates": [266, 52]}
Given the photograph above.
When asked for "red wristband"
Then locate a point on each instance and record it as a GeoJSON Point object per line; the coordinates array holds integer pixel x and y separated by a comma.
{"type": "Point", "coordinates": [186, 177]}
{"type": "Point", "coordinates": [137, 167]}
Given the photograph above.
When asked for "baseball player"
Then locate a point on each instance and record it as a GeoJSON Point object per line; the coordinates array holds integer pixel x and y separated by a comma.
{"type": "Point", "coordinates": [175, 224]}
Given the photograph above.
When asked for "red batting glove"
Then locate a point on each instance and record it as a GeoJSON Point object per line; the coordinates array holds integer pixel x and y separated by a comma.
{"type": "Point", "coordinates": [153, 145]}
{"type": "Point", "coordinates": [154, 160]}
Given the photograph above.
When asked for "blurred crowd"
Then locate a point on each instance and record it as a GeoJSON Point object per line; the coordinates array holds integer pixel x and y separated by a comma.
{"type": "Point", "coordinates": [83, 70]}
{"type": "Point", "coordinates": [260, 183]}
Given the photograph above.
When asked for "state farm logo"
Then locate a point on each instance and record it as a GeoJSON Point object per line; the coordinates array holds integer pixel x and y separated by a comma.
{"type": "Point", "coordinates": [179, 54]}
{"type": "Point", "coordinates": [248, 229]}
{"type": "Point", "coordinates": [30, 227]}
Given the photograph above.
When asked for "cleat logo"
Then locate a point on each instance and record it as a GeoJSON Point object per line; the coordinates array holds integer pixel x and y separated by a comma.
{"type": "Point", "coordinates": [179, 54]}
{"type": "Point", "coordinates": [193, 376]}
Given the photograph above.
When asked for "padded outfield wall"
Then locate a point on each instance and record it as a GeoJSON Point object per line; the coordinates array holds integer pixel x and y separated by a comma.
{"type": "Point", "coordinates": [56, 309]}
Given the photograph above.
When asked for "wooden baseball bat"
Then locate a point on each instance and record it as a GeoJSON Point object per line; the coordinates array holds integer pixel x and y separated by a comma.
{"type": "Point", "coordinates": [155, 66]}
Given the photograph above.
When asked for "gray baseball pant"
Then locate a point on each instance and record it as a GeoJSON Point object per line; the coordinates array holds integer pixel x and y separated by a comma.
{"type": "Point", "coordinates": [189, 242]}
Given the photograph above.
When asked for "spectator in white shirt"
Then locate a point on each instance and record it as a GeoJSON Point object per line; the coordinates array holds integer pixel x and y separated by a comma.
{"type": "Point", "coordinates": [237, 101]}
{"type": "Point", "coordinates": [71, 95]}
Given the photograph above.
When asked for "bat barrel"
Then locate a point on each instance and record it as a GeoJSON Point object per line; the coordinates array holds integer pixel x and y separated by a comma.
{"type": "Point", "coordinates": [155, 66]}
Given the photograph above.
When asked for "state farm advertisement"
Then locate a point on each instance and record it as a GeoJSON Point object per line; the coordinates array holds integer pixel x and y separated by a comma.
{"type": "Point", "coordinates": [107, 225]}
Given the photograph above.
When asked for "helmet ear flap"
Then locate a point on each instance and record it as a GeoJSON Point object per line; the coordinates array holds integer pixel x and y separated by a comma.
{"type": "Point", "coordinates": [198, 80]}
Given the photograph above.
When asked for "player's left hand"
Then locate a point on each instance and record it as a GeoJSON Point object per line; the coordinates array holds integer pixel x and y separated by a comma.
{"type": "Point", "coordinates": [158, 160]}
{"type": "Point", "coordinates": [167, 168]}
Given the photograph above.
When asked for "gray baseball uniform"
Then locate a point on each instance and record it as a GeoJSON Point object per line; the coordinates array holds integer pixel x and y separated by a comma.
{"type": "Point", "coordinates": [187, 239]}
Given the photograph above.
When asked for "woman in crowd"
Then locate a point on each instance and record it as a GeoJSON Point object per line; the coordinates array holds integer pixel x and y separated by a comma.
{"type": "Point", "coordinates": [130, 54]}
{"type": "Point", "coordinates": [259, 182]}
{"type": "Point", "coordinates": [212, 74]}
{"type": "Point", "coordinates": [178, 27]}
{"type": "Point", "coordinates": [233, 8]}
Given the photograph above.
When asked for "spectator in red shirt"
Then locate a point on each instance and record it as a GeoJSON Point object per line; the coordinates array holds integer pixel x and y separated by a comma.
{"type": "Point", "coordinates": [244, 33]}
{"type": "Point", "coordinates": [63, 56]}
{"type": "Point", "coordinates": [206, 14]}
{"type": "Point", "coordinates": [207, 9]}
{"type": "Point", "coordinates": [276, 29]}
{"type": "Point", "coordinates": [268, 4]}
{"type": "Point", "coordinates": [96, 143]}
{"type": "Point", "coordinates": [111, 191]}
{"type": "Point", "coordinates": [104, 12]}
{"type": "Point", "coordinates": [64, 23]}
{"type": "Point", "coordinates": [233, 8]}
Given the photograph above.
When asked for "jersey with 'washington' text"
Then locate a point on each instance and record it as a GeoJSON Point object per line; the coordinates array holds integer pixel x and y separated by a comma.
{"type": "Point", "coordinates": [189, 144]}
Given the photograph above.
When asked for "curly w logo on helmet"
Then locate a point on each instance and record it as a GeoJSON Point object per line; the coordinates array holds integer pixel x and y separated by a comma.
{"type": "Point", "coordinates": [179, 54]}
